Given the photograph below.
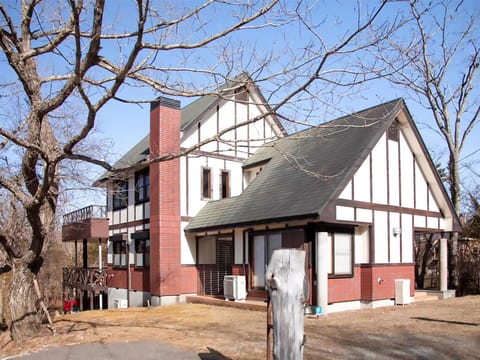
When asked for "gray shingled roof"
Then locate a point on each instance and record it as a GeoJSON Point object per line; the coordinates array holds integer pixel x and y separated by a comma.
{"type": "Point", "coordinates": [305, 171]}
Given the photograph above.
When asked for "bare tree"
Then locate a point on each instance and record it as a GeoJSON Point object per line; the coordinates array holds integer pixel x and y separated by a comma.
{"type": "Point", "coordinates": [59, 53]}
{"type": "Point", "coordinates": [436, 57]}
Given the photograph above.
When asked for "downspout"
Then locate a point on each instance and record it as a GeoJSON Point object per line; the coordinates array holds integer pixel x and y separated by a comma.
{"type": "Point", "coordinates": [100, 265]}
{"type": "Point", "coordinates": [129, 280]}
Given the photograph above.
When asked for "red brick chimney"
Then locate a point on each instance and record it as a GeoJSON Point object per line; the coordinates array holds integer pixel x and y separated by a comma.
{"type": "Point", "coordinates": [165, 117]}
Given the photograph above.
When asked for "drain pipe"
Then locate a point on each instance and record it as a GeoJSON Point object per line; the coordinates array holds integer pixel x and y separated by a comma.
{"type": "Point", "coordinates": [129, 277]}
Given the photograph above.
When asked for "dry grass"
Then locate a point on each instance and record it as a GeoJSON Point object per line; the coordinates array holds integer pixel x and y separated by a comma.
{"type": "Point", "coordinates": [240, 334]}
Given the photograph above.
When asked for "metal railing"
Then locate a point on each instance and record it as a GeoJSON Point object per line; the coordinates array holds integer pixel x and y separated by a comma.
{"type": "Point", "coordinates": [88, 212]}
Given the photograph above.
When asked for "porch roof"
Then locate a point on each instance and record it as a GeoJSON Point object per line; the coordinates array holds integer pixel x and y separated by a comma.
{"type": "Point", "coordinates": [304, 172]}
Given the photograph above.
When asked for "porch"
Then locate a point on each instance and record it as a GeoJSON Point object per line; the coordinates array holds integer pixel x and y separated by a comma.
{"type": "Point", "coordinates": [84, 285]}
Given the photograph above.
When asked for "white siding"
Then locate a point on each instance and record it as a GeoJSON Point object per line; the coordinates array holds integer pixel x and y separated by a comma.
{"type": "Point", "coordinates": [364, 215]}
{"type": "Point", "coordinates": [187, 247]}
{"type": "Point", "coordinates": [419, 221]}
{"type": "Point", "coordinates": [379, 172]}
{"type": "Point", "coordinates": [407, 238]}
{"type": "Point", "coordinates": [394, 240]}
{"type": "Point", "coordinates": [393, 173]}
{"type": "Point", "coordinates": [432, 203]}
{"type": "Point", "coordinates": [421, 189]}
{"type": "Point", "coordinates": [347, 192]}
{"type": "Point", "coordinates": [345, 213]}
{"type": "Point", "coordinates": [432, 222]}
{"type": "Point", "coordinates": [362, 240]}
{"type": "Point", "coordinates": [406, 169]}
{"type": "Point", "coordinates": [361, 182]}
{"type": "Point", "coordinates": [381, 237]}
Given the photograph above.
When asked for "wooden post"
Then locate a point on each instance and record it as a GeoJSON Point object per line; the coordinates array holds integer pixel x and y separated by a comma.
{"type": "Point", "coordinates": [443, 264]}
{"type": "Point", "coordinates": [288, 291]}
{"type": "Point", "coordinates": [269, 329]}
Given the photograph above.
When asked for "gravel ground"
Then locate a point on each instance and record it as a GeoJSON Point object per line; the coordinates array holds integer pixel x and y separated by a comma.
{"type": "Point", "coordinates": [442, 329]}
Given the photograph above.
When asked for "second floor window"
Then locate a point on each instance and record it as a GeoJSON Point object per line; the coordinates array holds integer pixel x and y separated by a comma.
{"type": "Point", "coordinates": [206, 183]}
{"type": "Point", "coordinates": [120, 195]}
{"type": "Point", "coordinates": [142, 186]}
{"type": "Point", "coordinates": [224, 184]}
{"type": "Point", "coordinates": [120, 253]}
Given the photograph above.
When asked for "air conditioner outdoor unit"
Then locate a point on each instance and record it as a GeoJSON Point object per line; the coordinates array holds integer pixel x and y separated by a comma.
{"type": "Point", "coordinates": [120, 303]}
{"type": "Point", "coordinates": [234, 287]}
{"type": "Point", "coordinates": [402, 292]}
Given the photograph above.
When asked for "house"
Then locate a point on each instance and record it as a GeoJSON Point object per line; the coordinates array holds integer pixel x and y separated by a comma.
{"type": "Point", "coordinates": [354, 193]}
{"type": "Point", "coordinates": [150, 259]}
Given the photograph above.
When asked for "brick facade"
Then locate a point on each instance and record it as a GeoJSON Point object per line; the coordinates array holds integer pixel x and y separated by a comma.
{"type": "Point", "coordinates": [370, 282]}
{"type": "Point", "coordinates": [165, 268]}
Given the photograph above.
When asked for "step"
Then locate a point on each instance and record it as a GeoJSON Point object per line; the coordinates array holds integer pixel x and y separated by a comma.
{"type": "Point", "coordinates": [424, 298]}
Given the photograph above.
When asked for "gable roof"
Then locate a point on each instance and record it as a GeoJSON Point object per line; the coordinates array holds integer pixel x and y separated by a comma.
{"type": "Point", "coordinates": [190, 114]}
{"type": "Point", "coordinates": [304, 172]}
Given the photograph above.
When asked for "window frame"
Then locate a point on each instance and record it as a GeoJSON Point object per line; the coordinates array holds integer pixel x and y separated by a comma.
{"type": "Point", "coordinates": [122, 254]}
{"type": "Point", "coordinates": [120, 195]}
{"type": "Point", "coordinates": [142, 186]}
{"type": "Point", "coordinates": [227, 185]}
{"type": "Point", "coordinates": [206, 186]}
{"type": "Point", "coordinates": [332, 273]}
{"type": "Point", "coordinates": [145, 254]}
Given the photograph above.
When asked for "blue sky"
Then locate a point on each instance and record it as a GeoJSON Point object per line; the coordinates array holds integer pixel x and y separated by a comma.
{"type": "Point", "coordinates": [120, 126]}
{"type": "Point", "coordinates": [125, 125]}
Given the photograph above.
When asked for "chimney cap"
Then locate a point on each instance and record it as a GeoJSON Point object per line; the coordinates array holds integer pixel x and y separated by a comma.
{"type": "Point", "coordinates": [164, 101]}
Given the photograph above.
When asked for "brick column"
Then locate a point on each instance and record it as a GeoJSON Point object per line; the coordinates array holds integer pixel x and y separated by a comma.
{"type": "Point", "coordinates": [165, 117]}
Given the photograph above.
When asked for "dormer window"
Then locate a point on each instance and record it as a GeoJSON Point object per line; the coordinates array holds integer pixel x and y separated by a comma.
{"type": "Point", "coordinates": [224, 184]}
{"type": "Point", "coordinates": [206, 183]}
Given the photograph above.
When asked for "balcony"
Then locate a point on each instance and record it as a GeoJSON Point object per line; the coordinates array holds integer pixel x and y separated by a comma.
{"type": "Point", "coordinates": [88, 223]}
{"type": "Point", "coordinates": [89, 279]}
{"type": "Point", "coordinates": [87, 284]}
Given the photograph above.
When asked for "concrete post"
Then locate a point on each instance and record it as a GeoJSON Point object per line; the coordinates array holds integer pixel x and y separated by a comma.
{"type": "Point", "coordinates": [443, 264]}
{"type": "Point", "coordinates": [323, 254]}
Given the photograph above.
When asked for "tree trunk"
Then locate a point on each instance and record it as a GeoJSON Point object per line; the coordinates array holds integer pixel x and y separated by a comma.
{"type": "Point", "coordinates": [288, 290]}
{"type": "Point", "coordinates": [454, 167]}
{"type": "Point", "coordinates": [21, 302]}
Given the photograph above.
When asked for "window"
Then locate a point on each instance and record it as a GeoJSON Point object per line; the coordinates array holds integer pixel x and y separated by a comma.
{"type": "Point", "coordinates": [206, 250]}
{"type": "Point", "coordinates": [393, 131]}
{"type": "Point", "coordinates": [120, 253]}
{"type": "Point", "coordinates": [142, 252]}
{"type": "Point", "coordinates": [224, 184]}
{"type": "Point", "coordinates": [241, 95]}
{"type": "Point", "coordinates": [142, 186]}
{"type": "Point", "coordinates": [120, 195]}
{"type": "Point", "coordinates": [341, 245]}
{"type": "Point", "coordinates": [206, 183]}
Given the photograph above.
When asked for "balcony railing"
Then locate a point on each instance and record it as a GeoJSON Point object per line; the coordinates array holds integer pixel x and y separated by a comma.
{"type": "Point", "coordinates": [85, 279]}
{"type": "Point", "coordinates": [88, 212]}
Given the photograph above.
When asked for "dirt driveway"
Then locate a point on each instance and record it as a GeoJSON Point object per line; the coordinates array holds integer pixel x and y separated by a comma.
{"type": "Point", "coordinates": [448, 329]}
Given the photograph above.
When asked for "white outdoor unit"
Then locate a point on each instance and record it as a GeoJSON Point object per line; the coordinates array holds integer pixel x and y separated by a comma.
{"type": "Point", "coordinates": [120, 303]}
{"type": "Point", "coordinates": [234, 287]}
{"type": "Point", "coordinates": [402, 292]}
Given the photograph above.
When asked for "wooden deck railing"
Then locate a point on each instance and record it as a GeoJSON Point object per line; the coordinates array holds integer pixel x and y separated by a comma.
{"type": "Point", "coordinates": [86, 279]}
